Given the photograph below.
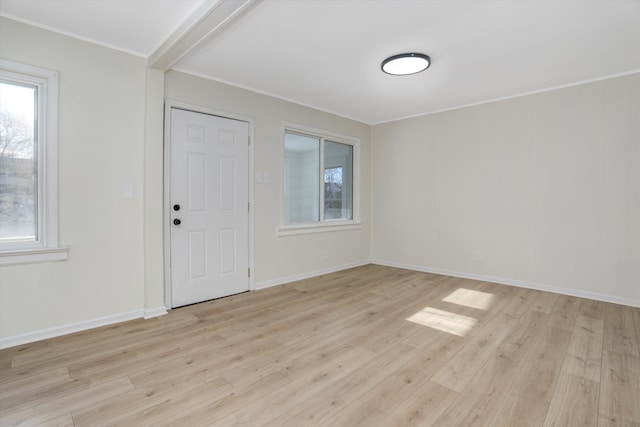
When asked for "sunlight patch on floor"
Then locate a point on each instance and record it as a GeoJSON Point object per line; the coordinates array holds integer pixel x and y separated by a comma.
{"type": "Point", "coordinates": [444, 321]}
{"type": "Point", "coordinates": [470, 298]}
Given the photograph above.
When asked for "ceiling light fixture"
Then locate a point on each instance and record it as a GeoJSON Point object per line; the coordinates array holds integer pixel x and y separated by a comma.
{"type": "Point", "coordinates": [406, 63]}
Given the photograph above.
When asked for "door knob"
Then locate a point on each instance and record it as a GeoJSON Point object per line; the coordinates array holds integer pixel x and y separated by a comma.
{"type": "Point", "coordinates": [176, 221]}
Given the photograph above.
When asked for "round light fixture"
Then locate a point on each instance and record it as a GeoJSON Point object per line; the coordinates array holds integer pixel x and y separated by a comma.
{"type": "Point", "coordinates": [406, 63]}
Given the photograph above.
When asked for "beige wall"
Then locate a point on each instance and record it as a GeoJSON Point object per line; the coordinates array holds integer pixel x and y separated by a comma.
{"type": "Point", "coordinates": [278, 259]}
{"type": "Point", "coordinates": [110, 134]}
{"type": "Point", "coordinates": [101, 143]}
{"type": "Point", "coordinates": [545, 188]}
{"type": "Point", "coordinates": [540, 190]}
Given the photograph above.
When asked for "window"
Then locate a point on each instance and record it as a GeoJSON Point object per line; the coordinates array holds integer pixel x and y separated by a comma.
{"type": "Point", "coordinates": [320, 185]}
{"type": "Point", "coordinates": [338, 181]}
{"type": "Point", "coordinates": [28, 165]}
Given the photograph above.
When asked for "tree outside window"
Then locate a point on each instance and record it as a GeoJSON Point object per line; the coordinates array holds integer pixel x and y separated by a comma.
{"type": "Point", "coordinates": [18, 162]}
{"type": "Point", "coordinates": [29, 165]}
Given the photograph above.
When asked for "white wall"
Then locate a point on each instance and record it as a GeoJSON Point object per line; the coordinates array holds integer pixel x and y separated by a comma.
{"type": "Point", "coordinates": [101, 143]}
{"type": "Point", "coordinates": [110, 134]}
{"type": "Point", "coordinates": [154, 195]}
{"type": "Point", "coordinates": [544, 187]}
{"type": "Point", "coordinates": [540, 190]}
{"type": "Point", "coordinates": [280, 259]}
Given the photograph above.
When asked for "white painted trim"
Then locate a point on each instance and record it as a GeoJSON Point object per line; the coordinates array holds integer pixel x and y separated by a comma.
{"type": "Point", "coordinates": [265, 93]}
{"type": "Point", "coordinates": [321, 133]}
{"type": "Point", "coordinates": [153, 197]}
{"type": "Point", "coordinates": [30, 256]}
{"type": "Point", "coordinates": [252, 280]}
{"type": "Point", "coordinates": [155, 312]}
{"type": "Point", "coordinates": [504, 98]}
{"type": "Point", "coordinates": [166, 210]}
{"type": "Point", "coordinates": [294, 230]}
{"type": "Point", "coordinates": [514, 282]}
{"type": "Point", "coordinates": [207, 22]}
{"type": "Point", "coordinates": [69, 329]}
{"type": "Point", "coordinates": [73, 35]}
{"type": "Point", "coordinates": [315, 273]}
{"type": "Point", "coordinates": [47, 247]}
{"type": "Point", "coordinates": [322, 225]}
{"type": "Point", "coordinates": [397, 119]}
{"type": "Point", "coordinates": [168, 105]}
{"type": "Point", "coordinates": [159, 311]}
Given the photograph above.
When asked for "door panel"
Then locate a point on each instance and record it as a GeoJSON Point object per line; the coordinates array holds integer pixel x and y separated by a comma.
{"type": "Point", "coordinates": [209, 181]}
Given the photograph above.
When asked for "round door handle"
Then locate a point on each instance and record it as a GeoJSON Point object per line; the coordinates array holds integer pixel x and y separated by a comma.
{"type": "Point", "coordinates": [176, 221]}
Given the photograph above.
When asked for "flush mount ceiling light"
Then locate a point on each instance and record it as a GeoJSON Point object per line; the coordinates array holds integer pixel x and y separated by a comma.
{"type": "Point", "coordinates": [406, 63]}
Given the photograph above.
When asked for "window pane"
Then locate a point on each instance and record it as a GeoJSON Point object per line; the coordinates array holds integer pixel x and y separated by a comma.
{"type": "Point", "coordinates": [332, 192]}
{"type": "Point", "coordinates": [338, 181]}
{"type": "Point", "coordinates": [18, 167]}
{"type": "Point", "coordinates": [302, 178]}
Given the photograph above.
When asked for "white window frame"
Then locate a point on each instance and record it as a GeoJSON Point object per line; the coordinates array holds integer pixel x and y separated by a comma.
{"type": "Point", "coordinates": [322, 226]}
{"type": "Point", "coordinates": [46, 248]}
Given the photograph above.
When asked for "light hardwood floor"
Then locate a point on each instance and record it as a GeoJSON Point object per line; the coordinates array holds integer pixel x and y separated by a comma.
{"type": "Point", "coordinates": [369, 346]}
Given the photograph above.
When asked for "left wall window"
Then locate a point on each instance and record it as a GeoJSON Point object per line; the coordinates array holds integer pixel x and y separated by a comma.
{"type": "Point", "coordinates": [28, 165]}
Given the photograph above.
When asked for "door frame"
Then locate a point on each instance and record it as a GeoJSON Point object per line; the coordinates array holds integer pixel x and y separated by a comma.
{"type": "Point", "coordinates": [168, 105]}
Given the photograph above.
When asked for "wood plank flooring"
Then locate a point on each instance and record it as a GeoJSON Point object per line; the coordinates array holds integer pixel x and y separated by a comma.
{"type": "Point", "coordinates": [369, 346]}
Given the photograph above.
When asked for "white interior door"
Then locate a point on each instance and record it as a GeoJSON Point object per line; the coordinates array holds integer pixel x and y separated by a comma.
{"type": "Point", "coordinates": [209, 196]}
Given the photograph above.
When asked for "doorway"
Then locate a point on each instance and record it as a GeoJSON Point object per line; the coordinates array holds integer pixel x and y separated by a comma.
{"type": "Point", "coordinates": [208, 206]}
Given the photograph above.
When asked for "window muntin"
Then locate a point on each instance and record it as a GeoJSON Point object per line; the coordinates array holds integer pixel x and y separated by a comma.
{"type": "Point", "coordinates": [319, 185]}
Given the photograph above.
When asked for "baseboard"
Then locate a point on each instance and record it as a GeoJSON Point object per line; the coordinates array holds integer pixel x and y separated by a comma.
{"type": "Point", "coordinates": [315, 273]}
{"type": "Point", "coordinates": [514, 282]}
{"type": "Point", "coordinates": [147, 314]}
{"type": "Point", "coordinates": [155, 312]}
{"type": "Point", "coordinates": [69, 329]}
{"type": "Point", "coordinates": [159, 311]}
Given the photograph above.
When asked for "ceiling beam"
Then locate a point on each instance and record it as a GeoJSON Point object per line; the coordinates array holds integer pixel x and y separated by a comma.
{"type": "Point", "coordinates": [205, 23]}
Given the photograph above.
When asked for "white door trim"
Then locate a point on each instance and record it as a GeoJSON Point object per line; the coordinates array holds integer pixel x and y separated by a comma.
{"type": "Point", "coordinates": [168, 105]}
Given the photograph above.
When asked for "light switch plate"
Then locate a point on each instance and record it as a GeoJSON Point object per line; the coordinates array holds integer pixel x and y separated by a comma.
{"type": "Point", "coordinates": [128, 192]}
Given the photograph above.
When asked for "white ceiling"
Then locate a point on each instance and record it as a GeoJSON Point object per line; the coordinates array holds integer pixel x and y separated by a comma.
{"type": "Point", "coordinates": [327, 53]}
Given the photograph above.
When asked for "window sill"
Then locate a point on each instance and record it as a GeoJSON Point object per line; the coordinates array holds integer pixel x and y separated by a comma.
{"type": "Point", "coordinates": [33, 256]}
{"type": "Point", "coordinates": [292, 230]}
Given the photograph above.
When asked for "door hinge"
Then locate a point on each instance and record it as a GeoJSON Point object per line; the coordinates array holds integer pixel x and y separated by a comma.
{"type": "Point", "coordinates": [248, 206]}
{"type": "Point", "coordinates": [248, 140]}
{"type": "Point", "coordinates": [248, 272]}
